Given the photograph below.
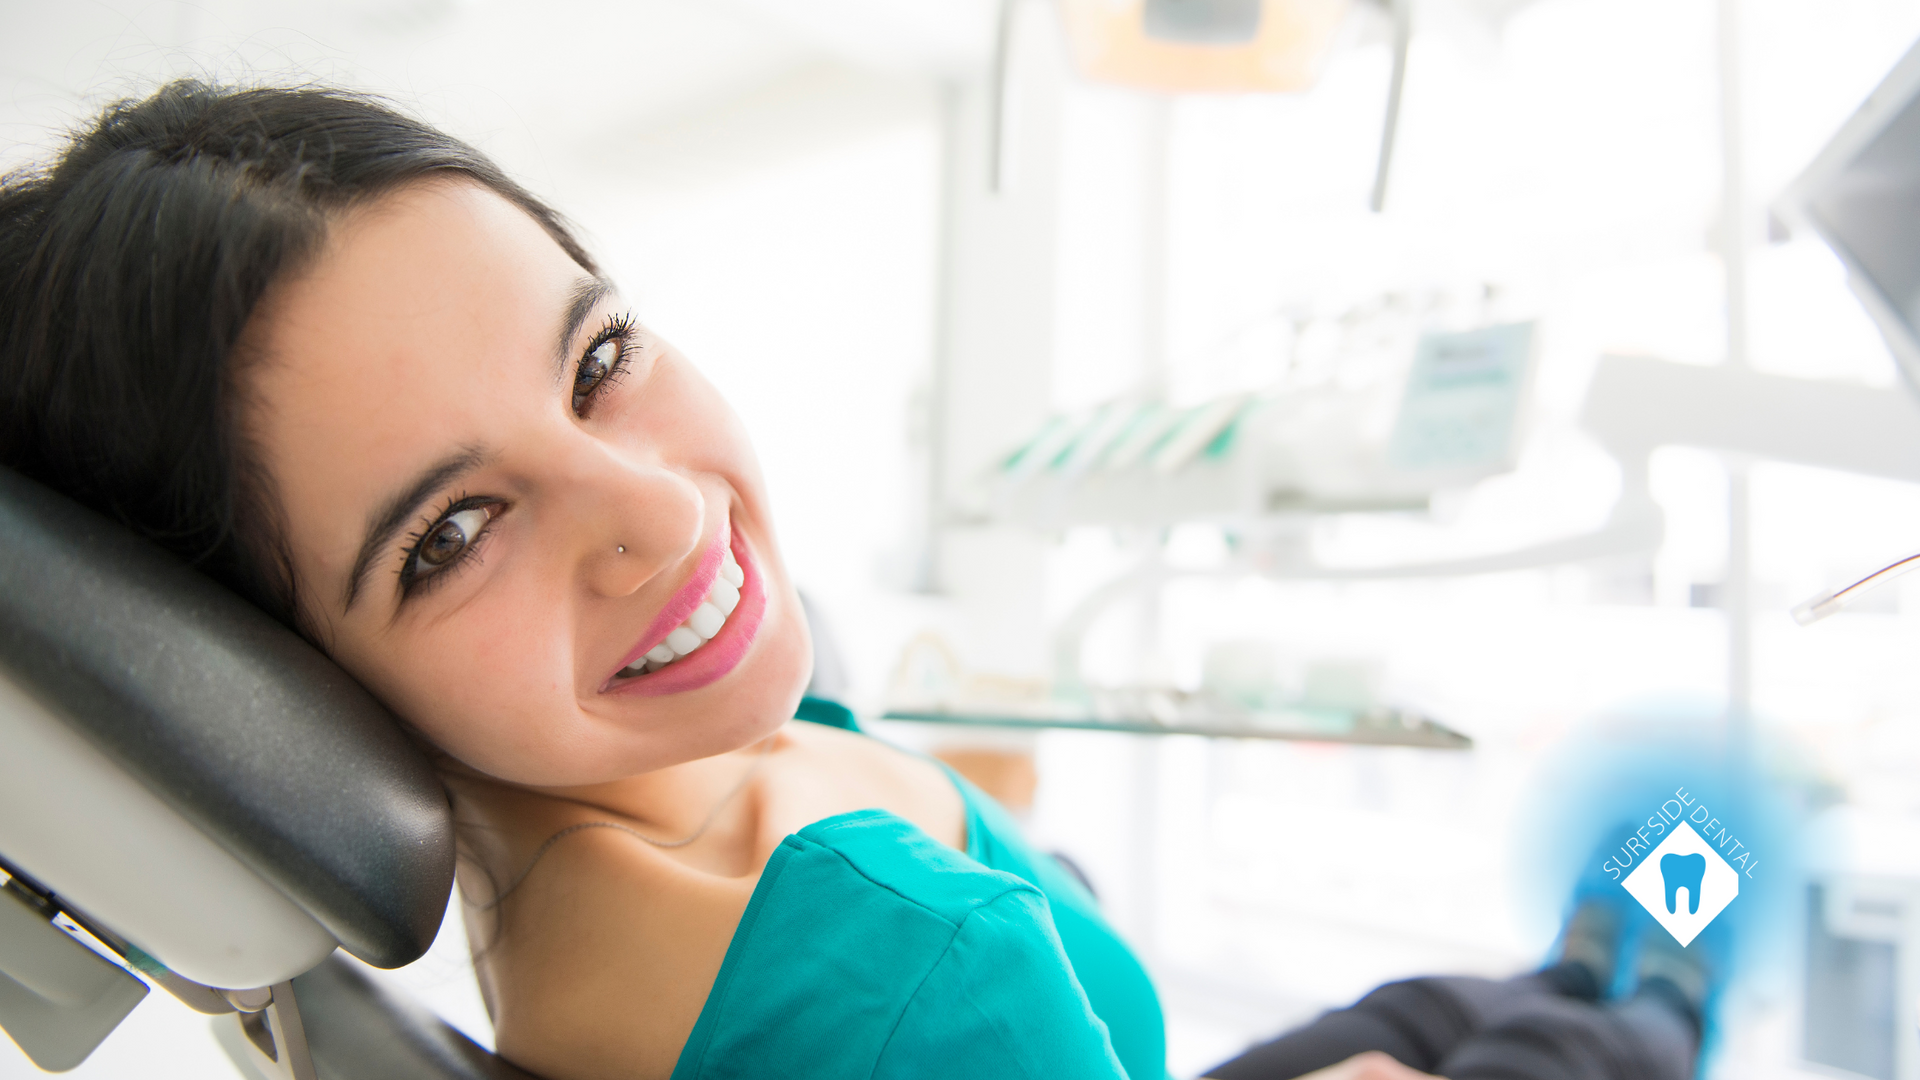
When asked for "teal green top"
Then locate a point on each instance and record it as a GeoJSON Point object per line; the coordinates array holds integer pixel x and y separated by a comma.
{"type": "Point", "coordinates": [869, 949]}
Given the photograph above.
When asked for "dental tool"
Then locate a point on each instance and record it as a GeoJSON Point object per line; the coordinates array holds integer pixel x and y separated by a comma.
{"type": "Point", "coordinates": [1820, 607]}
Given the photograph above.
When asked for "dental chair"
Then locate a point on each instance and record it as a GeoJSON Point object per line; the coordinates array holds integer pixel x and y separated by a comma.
{"type": "Point", "coordinates": [192, 798]}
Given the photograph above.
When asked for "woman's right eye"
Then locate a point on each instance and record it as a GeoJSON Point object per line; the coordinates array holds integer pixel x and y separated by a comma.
{"type": "Point", "coordinates": [447, 542]}
{"type": "Point", "coordinates": [603, 363]}
{"type": "Point", "coordinates": [452, 536]}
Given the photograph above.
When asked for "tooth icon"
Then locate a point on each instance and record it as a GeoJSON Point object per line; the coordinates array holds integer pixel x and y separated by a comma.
{"type": "Point", "coordinates": [1685, 861]}
{"type": "Point", "coordinates": [1683, 871]}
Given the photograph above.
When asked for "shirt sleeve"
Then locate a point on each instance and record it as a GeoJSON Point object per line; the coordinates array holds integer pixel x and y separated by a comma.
{"type": "Point", "coordinates": [1002, 1001]}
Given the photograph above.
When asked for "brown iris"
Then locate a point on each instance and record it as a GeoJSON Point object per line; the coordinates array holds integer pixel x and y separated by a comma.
{"type": "Point", "coordinates": [593, 370]}
{"type": "Point", "coordinates": [446, 541]}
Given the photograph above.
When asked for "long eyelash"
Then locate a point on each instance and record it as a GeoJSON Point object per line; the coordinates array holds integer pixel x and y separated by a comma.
{"type": "Point", "coordinates": [618, 328]}
{"type": "Point", "coordinates": [412, 583]}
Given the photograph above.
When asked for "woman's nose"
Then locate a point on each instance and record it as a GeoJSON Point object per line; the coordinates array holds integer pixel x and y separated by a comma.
{"type": "Point", "coordinates": [632, 522]}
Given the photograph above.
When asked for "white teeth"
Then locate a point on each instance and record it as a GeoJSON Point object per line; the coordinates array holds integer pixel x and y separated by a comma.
{"type": "Point", "coordinates": [700, 627]}
{"type": "Point", "coordinates": [706, 621]}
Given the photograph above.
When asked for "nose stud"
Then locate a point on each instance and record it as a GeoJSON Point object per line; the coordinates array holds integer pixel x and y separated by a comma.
{"type": "Point", "coordinates": [622, 549]}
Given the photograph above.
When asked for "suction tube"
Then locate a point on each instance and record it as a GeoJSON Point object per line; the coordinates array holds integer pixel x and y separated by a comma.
{"type": "Point", "coordinates": [1820, 607]}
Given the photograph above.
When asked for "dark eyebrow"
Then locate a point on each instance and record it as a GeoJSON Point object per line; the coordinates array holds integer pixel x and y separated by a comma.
{"type": "Point", "coordinates": [387, 521]}
{"type": "Point", "coordinates": [581, 300]}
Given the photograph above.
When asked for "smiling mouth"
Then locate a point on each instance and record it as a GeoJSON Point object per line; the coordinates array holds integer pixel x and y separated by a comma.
{"type": "Point", "coordinates": [702, 626]}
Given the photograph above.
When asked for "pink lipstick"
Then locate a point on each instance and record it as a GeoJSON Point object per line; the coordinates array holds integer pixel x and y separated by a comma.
{"type": "Point", "coordinates": [704, 631]}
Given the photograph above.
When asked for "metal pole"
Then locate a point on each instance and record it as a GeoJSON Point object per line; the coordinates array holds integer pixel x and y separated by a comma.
{"type": "Point", "coordinates": [1734, 242]}
{"type": "Point", "coordinates": [1402, 12]}
{"type": "Point", "coordinates": [1154, 244]}
{"type": "Point", "coordinates": [997, 133]}
{"type": "Point", "coordinates": [953, 135]}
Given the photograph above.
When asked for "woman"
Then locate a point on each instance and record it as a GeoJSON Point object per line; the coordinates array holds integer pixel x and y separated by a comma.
{"type": "Point", "coordinates": [357, 374]}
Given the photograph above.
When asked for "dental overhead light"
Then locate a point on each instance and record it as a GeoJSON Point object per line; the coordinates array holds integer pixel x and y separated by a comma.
{"type": "Point", "coordinates": [1187, 46]}
{"type": "Point", "coordinates": [1861, 195]}
{"type": "Point", "coordinates": [1212, 46]}
{"type": "Point", "coordinates": [1202, 46]}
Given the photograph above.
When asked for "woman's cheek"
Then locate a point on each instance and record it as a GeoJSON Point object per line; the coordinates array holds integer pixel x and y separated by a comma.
{"type": "Point", "coordinates": [480, 689]}
{"type": "Point", "coordinates": [521, 667]}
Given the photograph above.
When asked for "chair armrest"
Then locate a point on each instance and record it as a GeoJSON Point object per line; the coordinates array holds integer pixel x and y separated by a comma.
{"type": "Point", "coordinates": [360, 1030]}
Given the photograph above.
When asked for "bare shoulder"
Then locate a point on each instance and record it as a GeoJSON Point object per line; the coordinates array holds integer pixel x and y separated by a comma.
{"type": "Point", "coordinates": [600, 964]}
{"type": "Point", "coordinates": [883, 761]}
{"type": "Point", "coordinates": [833, 771]}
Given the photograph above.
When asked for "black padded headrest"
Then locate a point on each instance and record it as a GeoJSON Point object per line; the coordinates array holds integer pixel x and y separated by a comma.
{"type": "Point", "coordinates": [246, 730]}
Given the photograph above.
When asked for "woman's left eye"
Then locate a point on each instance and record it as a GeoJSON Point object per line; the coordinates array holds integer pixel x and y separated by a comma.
{"type": "Point", "coordinates": [594, 369]}
{"type": "Point", "coordinates": [605, 360]}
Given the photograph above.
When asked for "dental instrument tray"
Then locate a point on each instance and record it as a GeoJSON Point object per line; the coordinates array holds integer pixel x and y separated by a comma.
{"type": "Point", "coordinates": [1157, 711]}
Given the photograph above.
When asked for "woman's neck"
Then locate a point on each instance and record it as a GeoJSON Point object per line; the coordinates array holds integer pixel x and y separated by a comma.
{"type": "Point", "coordinates": [701, 812]}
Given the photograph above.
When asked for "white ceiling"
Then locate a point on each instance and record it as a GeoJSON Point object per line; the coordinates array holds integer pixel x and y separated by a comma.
{"type": "Point", "coordinates": [542, 86]}
{"type": "Point", "coordinates": [541, 78]}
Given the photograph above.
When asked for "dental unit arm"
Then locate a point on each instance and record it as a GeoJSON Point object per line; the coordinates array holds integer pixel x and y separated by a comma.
{"type": "Point", "coordinates": [1634, 406]}
{"type": "Point", "coordinates": [215, 804]}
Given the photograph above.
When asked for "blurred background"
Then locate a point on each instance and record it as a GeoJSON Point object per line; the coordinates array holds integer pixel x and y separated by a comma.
{"type": "Point", "coordinates": [1111, 402]}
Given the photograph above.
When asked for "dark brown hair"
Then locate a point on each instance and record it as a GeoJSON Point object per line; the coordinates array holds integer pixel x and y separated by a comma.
{"type": "Point", "coordinates": [128, 270]}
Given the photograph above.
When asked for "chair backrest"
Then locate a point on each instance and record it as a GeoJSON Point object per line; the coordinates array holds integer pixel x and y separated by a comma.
{"type": "Point", "coordinates": [193, 775]}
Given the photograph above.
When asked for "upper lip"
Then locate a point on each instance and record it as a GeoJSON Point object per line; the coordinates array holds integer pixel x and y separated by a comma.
{"type": "Point", "coordinates": [689, 597]}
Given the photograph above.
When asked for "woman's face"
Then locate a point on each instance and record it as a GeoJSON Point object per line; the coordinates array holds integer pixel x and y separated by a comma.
{"type": "Point", "coordinates": [500, 494]}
